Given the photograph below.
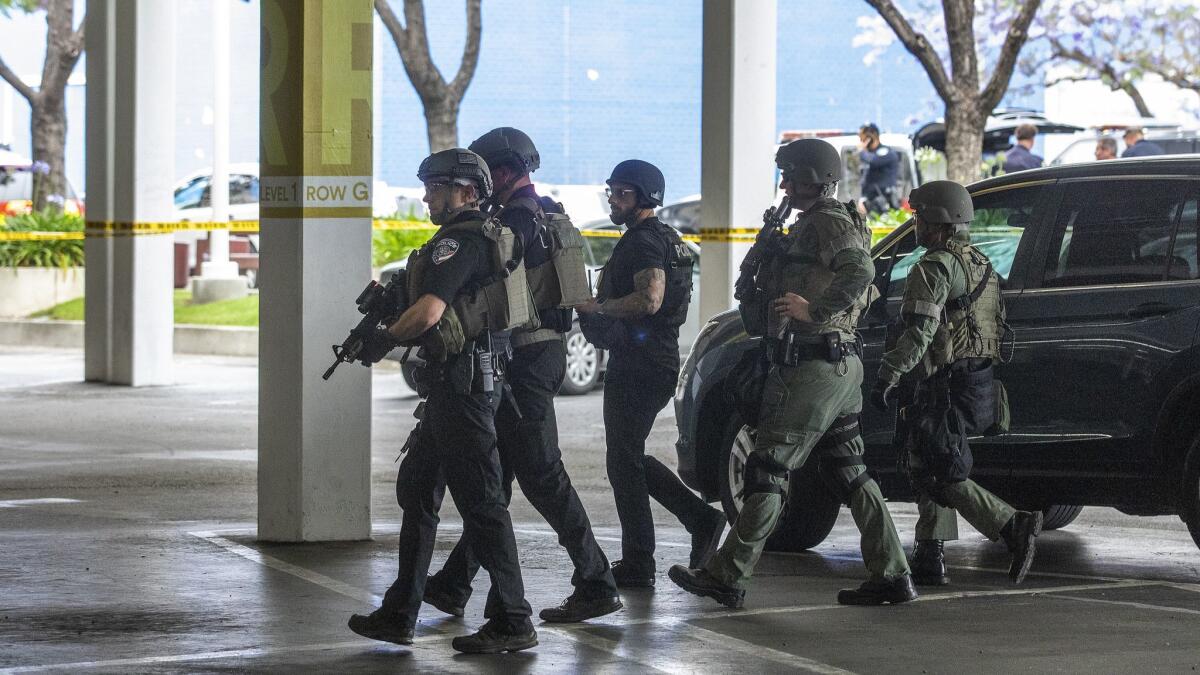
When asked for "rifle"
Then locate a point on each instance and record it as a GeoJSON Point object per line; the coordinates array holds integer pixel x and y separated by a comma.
{"type": "Point", "coordinates": [773, 221]}
{"type": "Point", "coordinates": [380, 305]}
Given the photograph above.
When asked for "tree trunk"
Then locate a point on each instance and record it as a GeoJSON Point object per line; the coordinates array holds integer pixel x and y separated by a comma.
{"type": "Point", "coordinates": [964, 142]}
{"type": "Point", "coordinates": [48, 128]}
{"type": "Point", "coordinates": [441, 124]}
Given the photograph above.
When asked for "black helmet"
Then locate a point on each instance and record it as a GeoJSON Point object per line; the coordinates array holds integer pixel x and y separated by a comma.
{"type": "Point", "coordinates": [942, 202]}
{"type": "Point", "coordinates": [643, 176]}
{"type": "Point", "coordinates": [507, 145]}
{"type": "Point", "coordinates": [809, 160]}
{"type": "Point", "coordinates": [457, 164]}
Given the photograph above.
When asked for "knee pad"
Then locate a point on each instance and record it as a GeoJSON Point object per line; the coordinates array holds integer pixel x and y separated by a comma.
{"type": "Point", "coordinates": [764, 477]}
{"type": "Point", "coordinates": [843, 430]}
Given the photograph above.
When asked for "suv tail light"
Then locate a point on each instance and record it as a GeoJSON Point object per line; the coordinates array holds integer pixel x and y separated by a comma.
{"type": "Point", "coordinates": [16, 207]}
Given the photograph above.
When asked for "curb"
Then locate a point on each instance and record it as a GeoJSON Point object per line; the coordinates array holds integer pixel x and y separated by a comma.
{"type": "Point", "coordinates": [189, 338]}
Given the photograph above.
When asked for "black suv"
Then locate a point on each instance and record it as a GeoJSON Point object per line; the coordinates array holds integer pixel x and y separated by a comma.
{"type": "Point", "coordinates": [1100, 276]}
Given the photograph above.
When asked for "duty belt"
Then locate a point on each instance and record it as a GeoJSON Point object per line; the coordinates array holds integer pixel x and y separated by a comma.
{"type": "Point", "coordinates": [792, 348]}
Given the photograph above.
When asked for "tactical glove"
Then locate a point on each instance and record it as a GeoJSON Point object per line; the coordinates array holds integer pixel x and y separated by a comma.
{"type": "Point", "coordinates": [376, 345]}
{"type": "Point", "coordinates": [883, 395]}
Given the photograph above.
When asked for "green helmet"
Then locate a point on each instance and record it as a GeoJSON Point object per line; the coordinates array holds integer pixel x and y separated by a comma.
{"type": "Point", "coordinates": [507, 145]}
{"type": "Point", "coordinates": [809, 160]}
{"type": "Point", "coordinates": [457, 164]}
{"type": "Point", "coordinates": [942, 202]}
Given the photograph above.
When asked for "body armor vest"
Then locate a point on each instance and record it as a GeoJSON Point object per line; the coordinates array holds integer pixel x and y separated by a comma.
{"type": "Point", "coordinates": [973, 318]}
{"type": "Point", "coordinates": [497, 303]}
{"type": "Point", "coordinates": [560, 282]}
{"type": "Point", "coordinates": [801, 266]}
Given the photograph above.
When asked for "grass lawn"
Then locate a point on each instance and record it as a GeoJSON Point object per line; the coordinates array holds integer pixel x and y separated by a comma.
{"type": "Point", "coordinates": [239, 312]}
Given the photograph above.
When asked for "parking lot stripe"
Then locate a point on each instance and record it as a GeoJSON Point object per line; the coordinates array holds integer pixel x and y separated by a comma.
{"type": "Point", "coordinates": [1129, 603]}
{"type": "Point", "coordinates": [288, 568]}
{"type": "Point", "coordinates": [754, 650]}
{"type": "Point", "coordinates": [18, 503]}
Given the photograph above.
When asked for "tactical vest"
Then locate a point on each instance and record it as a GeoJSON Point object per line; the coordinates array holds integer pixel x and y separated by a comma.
{"type": "Point", "coordinates": [679, 265]}
{"type": "Point", "coordinates": [560, 282]}
{"type": "Point", "coordinates": [971, 323]}
{"type": "Point", "coordinates": [497, 303]}
{"type": "Point", "coordinates": [801, 266]}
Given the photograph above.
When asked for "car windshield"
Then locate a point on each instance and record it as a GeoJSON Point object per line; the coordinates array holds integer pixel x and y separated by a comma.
{"type": "Point", "coordinates": [15, 183]}
{"type": "Point", "coordinates": [189, 196]}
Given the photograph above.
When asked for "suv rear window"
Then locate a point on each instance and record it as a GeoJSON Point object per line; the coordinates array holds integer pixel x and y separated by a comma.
{"type": "Point", "coordinates": [1121, 231]}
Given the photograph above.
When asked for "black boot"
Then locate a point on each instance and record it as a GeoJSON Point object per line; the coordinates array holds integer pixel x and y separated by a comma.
{"type": "Point", "coordinates": [491, 640]}
{"type": "Point", "coordinates": [928, 563]}
{"type": "Point", "coordinates": [383, 625]}
{"type": "Point", "coordinates": [576, 608]}
{"type": "Point", "coordinates": [1019, 533]}
{"type": "Point", "coordinates": [700, 582]}
{"type": "Point", "coordinates": [895, 591]}
{"type": "Point", "coordinates": [441, 600]}
{"type": "Point", "coordinates": [706, 538]}
{"type": "Point", "coordinates": [628, 575]}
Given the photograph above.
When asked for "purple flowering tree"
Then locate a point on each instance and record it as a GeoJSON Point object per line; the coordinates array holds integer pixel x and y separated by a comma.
{"type": "Point", "coordinates": [969, 50]}
{"type": "Point", "coordinates": [1117, 43]}
{"type": "Point", "coordinates": [47, 101]}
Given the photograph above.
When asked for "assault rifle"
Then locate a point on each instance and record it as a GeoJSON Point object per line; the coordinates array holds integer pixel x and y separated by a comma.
{"type": "Point", "coordinates": [380, 305]}
{"type": "Point", "coordinates": [773, 221]}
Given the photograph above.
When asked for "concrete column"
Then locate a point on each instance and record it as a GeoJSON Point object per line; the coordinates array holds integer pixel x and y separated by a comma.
{"type": "Point", "coordinates": [314, 438]}
{"type": "Point", "coordinates": [739, 134]}
{"type": "Point", "coordinates": [130, 165]}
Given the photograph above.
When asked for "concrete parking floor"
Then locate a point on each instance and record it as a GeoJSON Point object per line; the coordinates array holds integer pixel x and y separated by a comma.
{"type": "Point", "coordinates": [127, 545]}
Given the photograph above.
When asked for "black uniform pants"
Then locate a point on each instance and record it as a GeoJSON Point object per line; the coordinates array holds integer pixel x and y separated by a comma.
{"type": "Point", "coordinates": [633, 397]}
{"type": "Point", "coordinates": [529, 451]}
{"type": "Point", "coordinates": [457, 448]}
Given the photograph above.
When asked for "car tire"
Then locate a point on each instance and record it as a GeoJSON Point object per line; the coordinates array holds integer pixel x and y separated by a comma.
{"type": "Point", "coordinates": [583, 365]}
{"type": "Point", "coordinates": [1059, 515]}
{"type": "Point", "coordinates": [406, 369]}
{"type": "Point", "coordinates": [1190, 492]}
{"type": "Point", "coordinates": [811, 511]}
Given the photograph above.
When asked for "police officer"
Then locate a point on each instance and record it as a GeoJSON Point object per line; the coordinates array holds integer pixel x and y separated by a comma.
{"type": "Point", "coordinates": [525, 425]}
{"type": "Point", "coordinates": [880, 171]}
{"type": "Point", "coordinates": [643, 297]}
{"type": "Point", "coordinates": [1136, 144]}
{"type": "Point", "coordinates": [952, 317]}
{"type": "Point", "coordinates": [813, 289]}
{"type": "Point", "coordinates": [455, 441]}
{"type": "Point", "coordinates": [1020, 157]}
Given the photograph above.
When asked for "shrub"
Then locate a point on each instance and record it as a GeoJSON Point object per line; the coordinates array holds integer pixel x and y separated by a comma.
{"type": "Point", "coordinates": [61, 253]}
{"type": "Point", "coordinates": [389, 245]}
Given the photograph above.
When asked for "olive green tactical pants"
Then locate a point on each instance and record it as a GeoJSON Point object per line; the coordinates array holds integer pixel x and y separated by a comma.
{"type": "Point", "coordinates": [799, 405]}
{"type": "Point", "coordinates": [983, 510]}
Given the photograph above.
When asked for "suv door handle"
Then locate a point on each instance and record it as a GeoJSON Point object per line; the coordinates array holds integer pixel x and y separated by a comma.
{"type": "Point", "coordinates": [1147, 309]}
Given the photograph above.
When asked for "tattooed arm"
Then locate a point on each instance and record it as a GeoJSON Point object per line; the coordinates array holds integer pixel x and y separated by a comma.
{"type": "Point", "coordinates": [649, 287]}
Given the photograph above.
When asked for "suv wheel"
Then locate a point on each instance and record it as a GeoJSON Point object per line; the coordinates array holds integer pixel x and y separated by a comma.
{"type": "Point", "coordinates": [1059, 515]}
{"type": "Point", "coordinates": [811, 511]}
{"type": "Point", "coordinates": [583, 365]}
{"type": "Point", "coordinates": [1190, 494]}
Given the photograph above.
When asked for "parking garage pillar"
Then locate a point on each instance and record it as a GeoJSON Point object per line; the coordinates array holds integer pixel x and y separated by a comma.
{"type": "Point", "coordinates": [738, 137]}
{"type": "Point", "coordinates": [314, 436]}
{"type": "Point", "coordinates": [129, 311]}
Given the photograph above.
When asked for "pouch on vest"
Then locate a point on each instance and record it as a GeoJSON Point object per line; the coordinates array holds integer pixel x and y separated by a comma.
{"type": "Point", "coordinates": [561, 282]}
{"type": "Point", "coordinates": [503, 302]}
{"type": "Point", "coordinates": [939, 438]}
{"type": "Point", "coordinates": [444, 340]}
{"type": "Point", "coordinates": [973, 394]}
{"type": "Point", "coordinates": [1003, 416]}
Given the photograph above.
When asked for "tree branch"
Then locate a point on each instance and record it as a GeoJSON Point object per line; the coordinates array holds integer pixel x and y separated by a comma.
{"type": "Point", "coordinates": [470, 57]}
{"type": "Point", "coordinates": [1018, 33]}
{"type": "Point", "coordinates": [10, 77]}
{"type": "Point", "coordinates": [918, 45]}
{"type": "Point", "coordinates": [959, 16]}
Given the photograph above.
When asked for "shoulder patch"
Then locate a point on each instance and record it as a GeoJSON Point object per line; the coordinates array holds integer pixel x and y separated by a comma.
{"type": "Point", "coordinates": [444, 250]}
{"type": "Point", "coordinates": [882, 151]}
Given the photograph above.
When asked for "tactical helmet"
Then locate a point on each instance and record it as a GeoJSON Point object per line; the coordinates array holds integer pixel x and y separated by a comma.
{"type": "Point", "coordinates": [644, 177]}
{"type": "Point", "coordinates": [505, 145]}
{"type": "Point", "coordinates": [457, 164]}
{"type": "Point", "coordinates": [809, 161]}
{"type": "Point", "coordinates": [942, 202]}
